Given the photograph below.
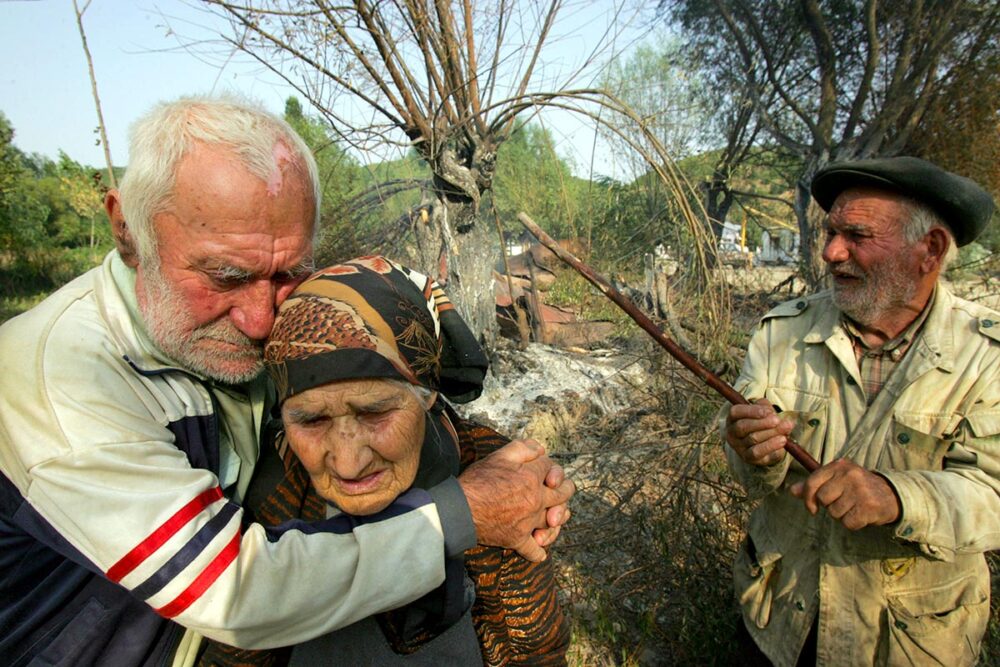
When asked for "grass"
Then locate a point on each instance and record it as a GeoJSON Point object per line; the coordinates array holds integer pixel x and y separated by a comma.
{"type": "Point", "coordinates": [572, 290]}
{"type": "Point", "coordinates": [29, 275]}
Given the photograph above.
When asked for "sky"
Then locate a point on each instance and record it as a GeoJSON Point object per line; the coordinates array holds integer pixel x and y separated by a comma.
{"type": "Point", "coordinates": [45, 89]}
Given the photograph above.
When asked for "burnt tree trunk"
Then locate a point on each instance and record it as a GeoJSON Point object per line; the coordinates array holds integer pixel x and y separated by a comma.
{"type": "Point", "coordinates": [458, 249]}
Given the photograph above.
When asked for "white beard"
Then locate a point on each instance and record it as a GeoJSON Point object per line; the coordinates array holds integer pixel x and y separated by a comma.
{"type": "Point", "coordinates": [883, 288]}
{"type": "Point", "coordinates": [169, 323]}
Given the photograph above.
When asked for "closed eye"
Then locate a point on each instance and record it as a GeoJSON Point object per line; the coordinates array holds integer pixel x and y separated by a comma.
{"type": "Point", "coordinates": [374, 415]}
{"type": "Point", "coordinates": [229, 276]}
{"type": "Point", "coordinates": [303, 418]}
{"type": "Point", "coordinates": [295, 274]}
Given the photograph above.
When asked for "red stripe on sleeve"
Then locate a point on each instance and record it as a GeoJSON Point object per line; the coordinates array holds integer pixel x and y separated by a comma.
{"type": "Point", "coordinates": [158, 537]}
{"type": "Point", "coordinates": [203, 580]}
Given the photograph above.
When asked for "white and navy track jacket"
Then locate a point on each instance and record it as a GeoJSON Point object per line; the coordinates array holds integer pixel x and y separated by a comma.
{"type": "Point", "coordinates": [114, 530]}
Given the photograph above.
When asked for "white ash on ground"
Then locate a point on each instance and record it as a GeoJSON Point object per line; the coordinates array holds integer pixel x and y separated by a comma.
{"type": "Point", "coordinates": [617, 424]}
{"type": "Point", "coordinates": [541, 391]}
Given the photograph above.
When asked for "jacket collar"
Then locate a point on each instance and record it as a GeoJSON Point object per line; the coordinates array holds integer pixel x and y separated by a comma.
{"type": "Point", "coordinates": [120, 307]}
{"type": "Point", "coordinates": [935, 340]}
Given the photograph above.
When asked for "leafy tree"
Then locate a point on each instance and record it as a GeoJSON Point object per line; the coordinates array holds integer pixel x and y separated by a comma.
{"type": "Point", "coordinates": [683, 106]}
{"type": "Point", "coordinates": [532, 177]}
{"type": "Point", "coordinates": [338, 170]}
{"type": "Point", "coordinates": [339, 175]}
{"type": "Point", "coordinates": [51, 220]}
{"type": "Point", "coordinates": [80, 203]}
{"type": "Point", "coordinates": [668, 96]}
{"type": "Point", "coordinates": [833, 79]}
{"type": "Point", "coordinates": [22, 211]}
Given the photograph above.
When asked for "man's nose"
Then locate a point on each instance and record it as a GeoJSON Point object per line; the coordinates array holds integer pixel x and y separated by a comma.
{"type": "Point", "coordinates": [253, 314]}
{"type": "Point", "coordinates": [835, 250]}
{"type": "Point", "coordinates": [350, 447]}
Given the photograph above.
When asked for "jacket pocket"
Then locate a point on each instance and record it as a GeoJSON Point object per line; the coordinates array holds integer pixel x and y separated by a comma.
{"type": "Point", "coordinates": [755, 578]}
{"type": "Point", "coordinates": [65, 649]}
{"type": "Point", "coordinates": [984, 424]}
{"type": "Point", "coordinates": [942, 625]}
{"type": "Point", "coordinates": [809, 412]}
{"type": "Point", "coordinates": [911, 446]}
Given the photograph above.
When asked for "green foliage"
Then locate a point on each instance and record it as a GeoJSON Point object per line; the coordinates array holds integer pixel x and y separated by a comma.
{"type": "Point", "coordinates": [339, 172]}
{"type": "Point", "coordinates": [380, 210]}
{"type": "Point", "coordinates": [362, 204]}
{"type": "Point", "coordinates": [22, 212]}
{"type": "Point", "coordinates": [51, 222]}
{"type": "Point", "coordinates": [571, 290]}
{"type": "Point", "coordinates": [614, 221]}
{"type": "Point", "coordinates": [532, 177]}
{"type": "Point", "coordinates": [633, 217]}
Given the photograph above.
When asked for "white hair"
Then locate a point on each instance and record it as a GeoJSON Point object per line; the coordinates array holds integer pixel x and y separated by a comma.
{"type": "Point", "coordinates": [423, 394]}
{"type": "Point", "coordinates": [159, 139]}
{"type": "Point", "coordinates": [922, 218]}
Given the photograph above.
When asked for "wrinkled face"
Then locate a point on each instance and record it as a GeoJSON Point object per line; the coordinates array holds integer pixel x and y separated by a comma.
{"type": "Point", "coordinates": [875, 270]}
{"type": "Point", "coordinates": [359, 440]}
{"type": "Point", "coordinates": [231, 247]}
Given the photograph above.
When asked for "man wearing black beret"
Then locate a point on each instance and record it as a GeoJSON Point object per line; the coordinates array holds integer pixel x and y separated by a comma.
{"type": "Point", "coordinates": [893, 384]}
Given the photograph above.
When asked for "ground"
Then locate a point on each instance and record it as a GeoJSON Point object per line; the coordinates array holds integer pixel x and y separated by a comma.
{"type": "Point", "coordinates": [653, 518]}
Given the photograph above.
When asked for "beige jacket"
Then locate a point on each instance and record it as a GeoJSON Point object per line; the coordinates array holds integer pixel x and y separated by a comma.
{"type": "Point", "coordinates": [912, 593]}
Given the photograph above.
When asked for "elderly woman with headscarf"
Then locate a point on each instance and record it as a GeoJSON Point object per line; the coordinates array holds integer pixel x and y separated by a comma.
{"type": "Point", "coordinates": [362, 354]}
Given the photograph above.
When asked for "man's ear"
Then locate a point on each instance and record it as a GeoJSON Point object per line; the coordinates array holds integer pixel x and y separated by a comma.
{"type": "Point", "coordinates": [119, 229]}
{"type": "Point", "coordinates": [937, 247]}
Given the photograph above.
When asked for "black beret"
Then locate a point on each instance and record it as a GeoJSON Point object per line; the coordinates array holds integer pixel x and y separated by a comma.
{"type": "Point", "coordinates": [961, 203]}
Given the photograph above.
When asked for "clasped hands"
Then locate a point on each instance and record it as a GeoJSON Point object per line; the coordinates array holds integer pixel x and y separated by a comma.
{"type": "Point", "coordinates": [852, 495]}
{"type": "Point", "coordinates": [518, 498]}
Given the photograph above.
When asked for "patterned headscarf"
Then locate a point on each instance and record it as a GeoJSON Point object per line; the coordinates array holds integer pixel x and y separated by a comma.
{"type": "Point", "coordinates": [372, 318]}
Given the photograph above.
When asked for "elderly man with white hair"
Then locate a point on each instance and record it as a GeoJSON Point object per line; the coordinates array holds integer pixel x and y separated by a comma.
{"type": "Point", "coordinates": [134, 412]}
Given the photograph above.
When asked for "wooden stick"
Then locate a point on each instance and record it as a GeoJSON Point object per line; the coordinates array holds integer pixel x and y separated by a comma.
{"type": "Point", "coordinates": [722, 387]}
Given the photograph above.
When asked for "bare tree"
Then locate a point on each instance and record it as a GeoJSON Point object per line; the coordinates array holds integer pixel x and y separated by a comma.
{"type": "Point", "coordinates": [93, 89]}
{"type": "Point", "coordinates": [441, 77]}
{"type": "Point", "coordinates": [835, 80]}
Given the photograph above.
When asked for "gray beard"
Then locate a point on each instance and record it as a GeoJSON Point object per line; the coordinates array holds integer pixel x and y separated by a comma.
{"type": "Point", "coordinates": [882, 289]}
{"type": "Point", "coordinates": [169, 323]}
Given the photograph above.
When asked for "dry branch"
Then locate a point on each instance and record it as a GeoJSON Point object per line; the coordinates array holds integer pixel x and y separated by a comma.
{"type": "Point", "coordinates": [723, 388]}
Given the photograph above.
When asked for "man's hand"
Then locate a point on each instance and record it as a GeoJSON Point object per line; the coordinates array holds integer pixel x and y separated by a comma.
{"type": "Point", "coordinates": [515, 492]}
{"type": "Point", "coordinates": [854, 496]}
{"type": "Point", "coordinates": [756, 433]}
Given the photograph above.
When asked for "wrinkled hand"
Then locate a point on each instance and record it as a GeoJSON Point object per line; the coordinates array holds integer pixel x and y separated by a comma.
{"type": "Point", "coordinates": [556, 516]}
{"type": "Point", "coordinates": [518, 498]}
{"type": "Point", "coordinates": [756, 433]}
{"type": "Point", "coordinates": [854, 496]}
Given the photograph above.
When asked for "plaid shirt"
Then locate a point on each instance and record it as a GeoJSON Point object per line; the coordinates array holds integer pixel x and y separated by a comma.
{"type": "Point", "coordinates": [877, 363]}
